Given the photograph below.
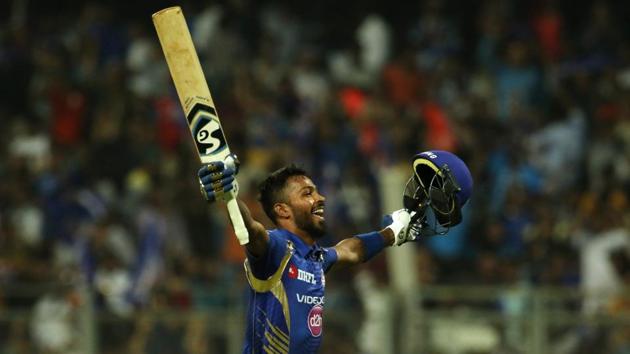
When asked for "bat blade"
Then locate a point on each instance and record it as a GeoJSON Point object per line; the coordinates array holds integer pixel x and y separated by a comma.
{"type": "Point", "coordinates": [190, 83]}
{"type": "Point", "coordinates": [194, 96]}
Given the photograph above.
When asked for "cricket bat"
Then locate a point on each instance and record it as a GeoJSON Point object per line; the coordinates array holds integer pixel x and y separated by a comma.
{"type": "Point", "coordinates": [194, 96]}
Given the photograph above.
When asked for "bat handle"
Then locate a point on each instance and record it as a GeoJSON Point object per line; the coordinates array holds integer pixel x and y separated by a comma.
{"type": "Point", "coordinates": [237, 221]}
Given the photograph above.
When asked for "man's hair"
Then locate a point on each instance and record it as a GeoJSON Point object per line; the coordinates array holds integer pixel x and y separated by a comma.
{"type": "Point", "coordinates": [271, 188]}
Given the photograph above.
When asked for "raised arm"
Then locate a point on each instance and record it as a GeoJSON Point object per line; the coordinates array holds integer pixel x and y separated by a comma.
{"type": "Point", "coordinates": [360, 248]}
{"type": "Point", "coordinates": [352, 250]}
{"type": "Point", "coordinates": [258, 237]}
{"type": "Point", "coordinates": [216, 179]}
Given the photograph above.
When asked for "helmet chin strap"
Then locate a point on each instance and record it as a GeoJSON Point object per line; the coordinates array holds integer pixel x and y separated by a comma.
{"type": "Point", "coordinates": [435, 205]}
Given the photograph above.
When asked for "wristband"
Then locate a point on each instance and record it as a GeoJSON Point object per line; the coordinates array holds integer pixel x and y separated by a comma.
{"type": "Point", "coordinates": [373, 243]}
{"type": "Point", "coordinates": [330, 258]}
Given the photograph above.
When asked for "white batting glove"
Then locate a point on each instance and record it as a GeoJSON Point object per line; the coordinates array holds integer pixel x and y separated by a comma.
{"type": "Point", "coordinates": [398, 222]}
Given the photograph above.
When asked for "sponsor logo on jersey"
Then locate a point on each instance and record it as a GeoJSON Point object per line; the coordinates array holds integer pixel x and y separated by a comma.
{"type": "Point", "coordinates": [306, 276]}
{"type": "Point", "coordinates": [315, 320]}
{"type": "Point", "coordinates": [299, 274]}
{"type": "Point", "coordinates": [310, 300]}
{"type": "Point", "coordinates": [293, 271]}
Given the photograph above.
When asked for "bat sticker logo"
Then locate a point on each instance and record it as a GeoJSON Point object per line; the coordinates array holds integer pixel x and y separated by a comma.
{"type": "Point", "coordinates": [206, 130]}
{"type": "Point", "coordinates": [205, 136]}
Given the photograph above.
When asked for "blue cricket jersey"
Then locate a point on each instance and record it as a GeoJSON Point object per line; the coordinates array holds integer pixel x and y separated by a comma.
{"type": "Point", "coordinates": [287, 296]}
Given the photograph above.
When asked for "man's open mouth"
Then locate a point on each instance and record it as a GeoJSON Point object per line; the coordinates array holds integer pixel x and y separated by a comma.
{"type": "Point", "coordinates": [319, 212]}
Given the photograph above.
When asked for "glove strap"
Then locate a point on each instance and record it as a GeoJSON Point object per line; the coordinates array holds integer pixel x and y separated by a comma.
{"type": "Point", "coordinates": [373, 243]}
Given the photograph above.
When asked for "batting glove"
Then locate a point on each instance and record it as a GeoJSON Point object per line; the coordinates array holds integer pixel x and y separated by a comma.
{"type": "Point", "coordinates": [398, 222]}
{"type": "Point", "coordinates": [217, 178]}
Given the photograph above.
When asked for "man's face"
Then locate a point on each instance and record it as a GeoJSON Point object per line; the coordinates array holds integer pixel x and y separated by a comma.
{"type": "Point", "coordinates": [306, 204]}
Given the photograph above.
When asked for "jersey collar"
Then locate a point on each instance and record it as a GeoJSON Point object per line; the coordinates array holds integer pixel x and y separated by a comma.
{"type": "Point", "coordinates": [301, 247]}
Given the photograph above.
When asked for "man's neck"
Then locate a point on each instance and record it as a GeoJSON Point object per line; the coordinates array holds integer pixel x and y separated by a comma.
{"type": "Point", "coordinates": [303, 235]}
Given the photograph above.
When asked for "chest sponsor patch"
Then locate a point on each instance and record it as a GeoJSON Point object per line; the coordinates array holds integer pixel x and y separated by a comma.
{"type": "Point", "coordinates": [315, 320]}
{"type": "Point", "coordinates": [309, 300]}
{"type": "Point", "coordinates": [299, 274]}
{"type": "Point", "coordinates": [293, 271]}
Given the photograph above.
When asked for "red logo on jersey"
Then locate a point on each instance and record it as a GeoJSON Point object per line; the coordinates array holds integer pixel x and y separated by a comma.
{"type": "Point", "coordinates": [315, 320]}
{"type": "Point", "coordinates": [293, 271]}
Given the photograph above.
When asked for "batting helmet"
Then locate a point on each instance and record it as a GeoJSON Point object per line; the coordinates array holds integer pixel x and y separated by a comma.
{"type": "Point", "coordinates": [440, 186]}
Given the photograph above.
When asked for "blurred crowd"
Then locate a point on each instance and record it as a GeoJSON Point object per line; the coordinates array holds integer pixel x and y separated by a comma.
{"type": "Point", "coordinates": [99, 175]}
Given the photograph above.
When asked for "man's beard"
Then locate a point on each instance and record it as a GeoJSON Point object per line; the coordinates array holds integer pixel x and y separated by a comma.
{"type": "Point", "coordinates": [307, 223]}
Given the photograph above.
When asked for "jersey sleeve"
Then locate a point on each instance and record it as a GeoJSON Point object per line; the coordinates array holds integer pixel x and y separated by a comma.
{"type": "Point", "coordinates": [330, 258]}
{"type": "Point", "coordinates": [264, 266]}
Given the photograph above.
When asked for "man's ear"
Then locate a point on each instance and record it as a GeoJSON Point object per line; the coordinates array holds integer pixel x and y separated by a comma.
{"type": "Point", "coordinates": [282, 210]}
